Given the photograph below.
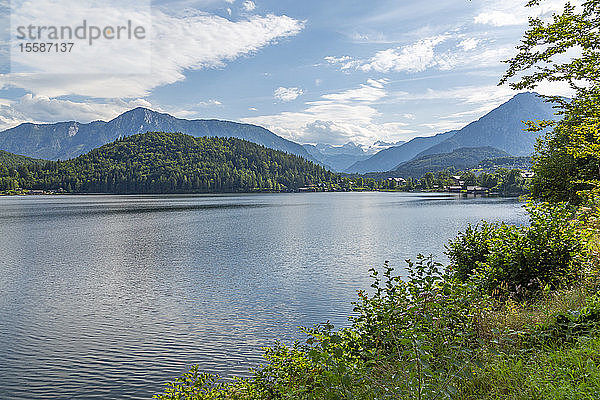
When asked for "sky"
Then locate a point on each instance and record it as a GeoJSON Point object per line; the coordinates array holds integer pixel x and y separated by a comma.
{"type": "Point", "coordinates": [312, 71]}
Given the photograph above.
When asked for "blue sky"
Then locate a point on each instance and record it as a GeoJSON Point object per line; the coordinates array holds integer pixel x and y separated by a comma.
{"type": "Point", "coordinates": [311, 71]}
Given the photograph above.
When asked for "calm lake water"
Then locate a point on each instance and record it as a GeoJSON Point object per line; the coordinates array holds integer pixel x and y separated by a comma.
{"type": "Point", "coordinates": [112, 296]}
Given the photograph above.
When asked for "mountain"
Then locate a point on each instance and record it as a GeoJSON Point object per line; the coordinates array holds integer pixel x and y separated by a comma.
{"type": "Point", "coordinates": [171, 163]}
{"type": "Point", "coordinates": [338, 158]}
{"type": "Point", "coordinates": [389, 158]}
{"type": "Point", "coordinates": [461, 159]}
{"type": "Point", "coordinates": [65, 140]}
{"type": "Point", "coordinates": [502, 127]}
{"type": "Point", "coordinates": [10, 160]}
{"type": "Point", "coordinates": [381, 145]}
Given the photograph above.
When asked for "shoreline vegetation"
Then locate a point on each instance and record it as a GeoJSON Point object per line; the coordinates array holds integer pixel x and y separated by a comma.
{"type": "Point", "coordinates": [174, 163]}
{"type": "Point", "coordinates": [516, 312]}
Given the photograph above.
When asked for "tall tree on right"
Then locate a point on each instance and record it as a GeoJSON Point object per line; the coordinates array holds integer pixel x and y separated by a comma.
{"type": "Point", "coordinates": [564, 49]}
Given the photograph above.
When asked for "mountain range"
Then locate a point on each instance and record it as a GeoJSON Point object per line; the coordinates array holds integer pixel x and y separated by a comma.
{"type": "Point", "coordinates": [389, 158]}
{"type": "Point", "coordinates": [340, 158]}
{"type": "Point", "coordinates": [65, 140]}
{"type": "Point", "coordinates": [501, 128]}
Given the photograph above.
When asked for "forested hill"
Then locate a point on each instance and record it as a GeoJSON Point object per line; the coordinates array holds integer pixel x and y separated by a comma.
{"type": "Point", "coordinates": [10, 160]}
{"type": "Point", "coordinates": [157, 162]}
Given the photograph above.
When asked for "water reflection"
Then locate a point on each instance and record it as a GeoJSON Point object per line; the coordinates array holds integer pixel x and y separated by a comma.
{"type": "Point", "coordinates": [110, 296]}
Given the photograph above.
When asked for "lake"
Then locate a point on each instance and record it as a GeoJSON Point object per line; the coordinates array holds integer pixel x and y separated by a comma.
{"type": "Point", "coordinates": [112, 296]}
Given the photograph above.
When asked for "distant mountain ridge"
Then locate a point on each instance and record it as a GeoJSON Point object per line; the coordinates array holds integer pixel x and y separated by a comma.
{"type": "Point", "coordinates": [388, 159]}
{"type": "Point", "coordinates": [501, 128]}
{"type": "Point", "coordinates": [65, 140]}
{"type": "Point", "coordinates": [338, 158]}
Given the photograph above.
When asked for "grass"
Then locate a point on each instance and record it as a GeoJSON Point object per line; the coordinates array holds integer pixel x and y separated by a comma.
{"type": "Point", "coordinates": [567, 373]}
{"type": "Point", "coordinates": [503, 324]}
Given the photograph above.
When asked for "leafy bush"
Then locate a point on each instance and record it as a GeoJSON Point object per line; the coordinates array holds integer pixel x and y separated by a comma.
{"type": "Point", "coordinates": [422, 329]}
{"type": "Point", "coordinates": [507, 260]}
{"type": "Point", "coordinates": [469, 249]}
{"type": "Point", "coordinates": [523, 260]}
{"type": "Point", "coordinates": [193, 385]}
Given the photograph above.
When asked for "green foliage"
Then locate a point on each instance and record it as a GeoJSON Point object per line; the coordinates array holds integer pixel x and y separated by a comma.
{"type": "Point", "coordinates": [569, 326]}
{"type": "Point", "coordinates": [421, 327]}
{"type": "Point", "coordinates": [567, 160]}
{"type": "Point", "coordinates": [469, 249]}
{"type": "Point", "coordinates": [524, 260]}
{"type": "Point", "coordinates": [511, 261]}
{"type": "Point", "coordinates": [567, 373]}
{"type": "Point", "coordinates": [507, 162]}
{"type": "Point", "coordinates": [10, 160]}
{"type": "Point", "coordinates": [193, 385]}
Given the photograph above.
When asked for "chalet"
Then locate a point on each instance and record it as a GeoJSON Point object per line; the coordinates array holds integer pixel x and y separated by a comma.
{"type": "Point", "coordinates": [397, 180]}
{"type": "Point", "coordinates": [456, 181]}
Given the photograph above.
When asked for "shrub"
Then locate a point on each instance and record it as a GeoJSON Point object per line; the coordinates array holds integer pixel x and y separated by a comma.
{"type": "Point", "coordinates": [469, 249]}
{"type": "Point", "coordinates": [523, 260]}
{"type": "Point", "coordinates": [512, 261]}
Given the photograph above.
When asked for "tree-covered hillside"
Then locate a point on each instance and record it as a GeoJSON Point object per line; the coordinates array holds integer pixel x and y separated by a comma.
{"type": "Point", "coordinates": [463, 158]}
{"type": "Point", "coordinates": [10, 160]}
{"type": "Point", "coordinates": [169, 163]}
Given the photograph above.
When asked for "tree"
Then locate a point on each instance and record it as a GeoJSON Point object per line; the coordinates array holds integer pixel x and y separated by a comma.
{"type": "Point", "coordinates": [567, 158]}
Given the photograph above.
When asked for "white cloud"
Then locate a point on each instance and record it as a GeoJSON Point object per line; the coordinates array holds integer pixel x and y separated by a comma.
{"type": "Point", "coordinates": [188, 41]}
{"type": "Point", "coordinates": [345, 62]}
{"type": "Point", "coordinates": [370, 92]}
{"type": "Point", "coordinates": [287, 94]}
{"type": "Point", "coordinates": [489, 94]}
{"type": "Point", "coordinates": [514, 12]}
{"type": "Point", "coordinates": [337, 118]}
{"type": "Point", "coordinates": [415, 57]}
{"type": "Point", "coordinates": [469, 44]}
{"type": "Point", "coordinates": [210, 103]}
{"type": "Point", "coordinates": [501, 18]}
{"type": "Point", "coordinates": [249, 5]}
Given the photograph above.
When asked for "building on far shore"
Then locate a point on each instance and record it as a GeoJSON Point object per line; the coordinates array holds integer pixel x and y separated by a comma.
{"type": "Point", "coordinates": [397, 180]}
